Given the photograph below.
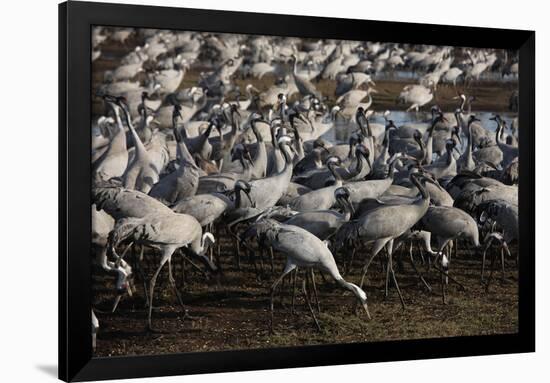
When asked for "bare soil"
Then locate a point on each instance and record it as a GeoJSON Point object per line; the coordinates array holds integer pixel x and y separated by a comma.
{"type": "Point", "coordinates": [232, 311]}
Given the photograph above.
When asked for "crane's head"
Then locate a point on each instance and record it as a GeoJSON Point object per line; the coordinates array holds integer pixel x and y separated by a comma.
{"type": "Point", "coordinates": [255, 117]}
{"type": "Point", "coordinates": [474, 118]}
{"type": "Point", "coordinates": [245, 187]}
{"type": "Point", "coordinates": [417, 135]}
{"type": "Point", "coordinates": [176, 113]}
{"type": "Point", "coordinates": [285, 140]}
{"type": "Point", "coordinates": [343, 198]}
{"type": "Point", "coordinates": [321, 144]}
{"type": "Point", "coordinates": [123, 282]}
{"type": "Point", "coordinates": [390, 125]}
{"type": "Point", "coordinates": [455, 132]}
{"type": "Point", "coordinates": [362, 150]}
{"type": "Point", "coordinates": [334, 161]}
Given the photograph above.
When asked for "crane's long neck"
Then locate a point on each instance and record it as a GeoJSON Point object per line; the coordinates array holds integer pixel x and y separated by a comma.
{"type": "Point", "coordinates": [356, 290]}
{"type": "Point", "coordinates": [384, 153]}
{"type": "Point", "coordinates": [421, 188]}
{"type": "Point", "coordinates": [118, 141]}
{"type": "Point", "coordinates": [295, 67]}
{"type": "Point", "coordinates": [369, 130]}
{"type": "Point", "coordinates": [286, 173]}
{"type": "Point", "coordinates": [428, 149]}
{"type": "Point", "coordinates": [462, 103]}
{"type": "Point", "coordinates": [360, 163]}
{"type": "Point", "coordinates": [351, 152]}
{"type": "Point", "coordinates": [469, 148]}
{"type": "Point", "coordinates": [498, 133]}
{"type": "Point", "coordinates": [450, 157]}
{"type": "Point", "coordinates": [335, 174]}
{"type": "Point", "coordinates": [140, 148]}
{"type": "Point", "coordinates": [273, 132]}
{"type": "Point", "coordinates": [182, 151]}
{"type": "Point", "coordinates": [256, 132]}
{"type": "Point", "coordinates": [423, 152]}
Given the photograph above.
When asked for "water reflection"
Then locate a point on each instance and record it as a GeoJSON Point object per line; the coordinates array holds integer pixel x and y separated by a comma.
{"type": "Point", "coordinates": [340, 133]}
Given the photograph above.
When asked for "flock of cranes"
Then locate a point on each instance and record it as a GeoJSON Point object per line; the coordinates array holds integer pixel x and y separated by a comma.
{"type": "Point", "coordinates": [175, 167]}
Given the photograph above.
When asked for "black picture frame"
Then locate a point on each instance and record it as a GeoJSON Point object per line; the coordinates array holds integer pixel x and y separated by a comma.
{"type": "Point", "coordinates": [75, 352]}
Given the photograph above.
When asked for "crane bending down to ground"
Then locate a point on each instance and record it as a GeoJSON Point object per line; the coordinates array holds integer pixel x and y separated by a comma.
{"type": "Point", "coordinates": [303, 250]}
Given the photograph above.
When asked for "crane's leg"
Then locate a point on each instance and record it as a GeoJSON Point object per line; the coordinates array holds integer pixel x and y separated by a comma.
{"type": "Point", "coordinates": [283, 284]}
{"type": "Point", "coordinates": [502, 262]}
{"type": "Point", "coordinates": [389, 248]}
{"type": "Point", "coordinates": [491, 272]}
{"type": "Point", "coordinates": [229, 229]}
{"type": "Point", "coordinates": [294, 279]}
{"type": "Point", "coordinates": [506, 249]}
{"type": "Point", "coordinates": [378, 245]}
{"type": "Point", "coordinates": [304, 290]}
{"type": "Point", "coordinates": [288, 268]}
{"type": "Point", "coordinates": [315, 291]}
{"type": "Point", "coordinates": [352, 256]}
{"type": "Point", "coordinates": [238, 254]}
{"type": "Point", "coordinates": [387, 280]}
{"type": "Point", "coordinates": [167, 253]}
{"type": "Point", "coordinates": [442, 283]}
{"type": "Point", "coordinates": [176, 291]}
{"type": "Point", "coordinates": [183, 265]}
{"type": "Point", "coordinates": [428, 287]}
{"type": "Point", "coordinates": [262, 252]}
{"type": "Point", "coordinates": [444, 272]}
{"type": "Point", "coordinates": [137, 263]}
{"type": "Point", "coordinates": [272, 258]}
{"type": "Point", "coordinates": [219, 247]}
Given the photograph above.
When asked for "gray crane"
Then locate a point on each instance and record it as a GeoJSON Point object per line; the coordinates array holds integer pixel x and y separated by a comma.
{"type": "Point", "coordinates": [509, 152]}
{"type": "Point", "coordinates": [317, 178]}
{"type": "Point", "coordinates": [324, 223]}
{"type": "Point", "coordinates": [466, 160]}
{"type": "Point", "coordinates": [304, 250]}
{"type": "Point", "coordinates": [167, 232]}
{"type": "Point", "coordinates": [448, 223]}
{"type": "Point", "coordinates": [360, 190]}
{"type": "Point", "coordinates": [184, 181]}
{"type": "Point", "coordinates": [384, 224]}
{"type": "Point", "coordinates": [258, 168]}
{"type": "Point", "coordinates": [207, 208]}
{"type": "Point", "coordinates": [305, 87]}
{"type": "Point", "coordinates": [113, 161]}
{"type": "Point", "coordinates": [141, 173]}
{"type": "Point", "coordinates": [320, 199]}
{"type": "Point", "coordinates": [120, 202]}
{"type": "Point", "coordinates": [448, 167]}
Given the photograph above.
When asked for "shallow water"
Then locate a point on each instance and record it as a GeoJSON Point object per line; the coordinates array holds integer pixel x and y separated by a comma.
{"type": "Point", "coordinates": [340, 134]}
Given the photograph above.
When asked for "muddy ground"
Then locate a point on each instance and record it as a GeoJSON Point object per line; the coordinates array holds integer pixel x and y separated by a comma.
{"type": "Point", "coordinates": [233, 314]}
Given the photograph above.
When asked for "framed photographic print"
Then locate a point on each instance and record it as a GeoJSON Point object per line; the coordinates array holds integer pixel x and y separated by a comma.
{"type": "Point", "coordinates": [247, 191]}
